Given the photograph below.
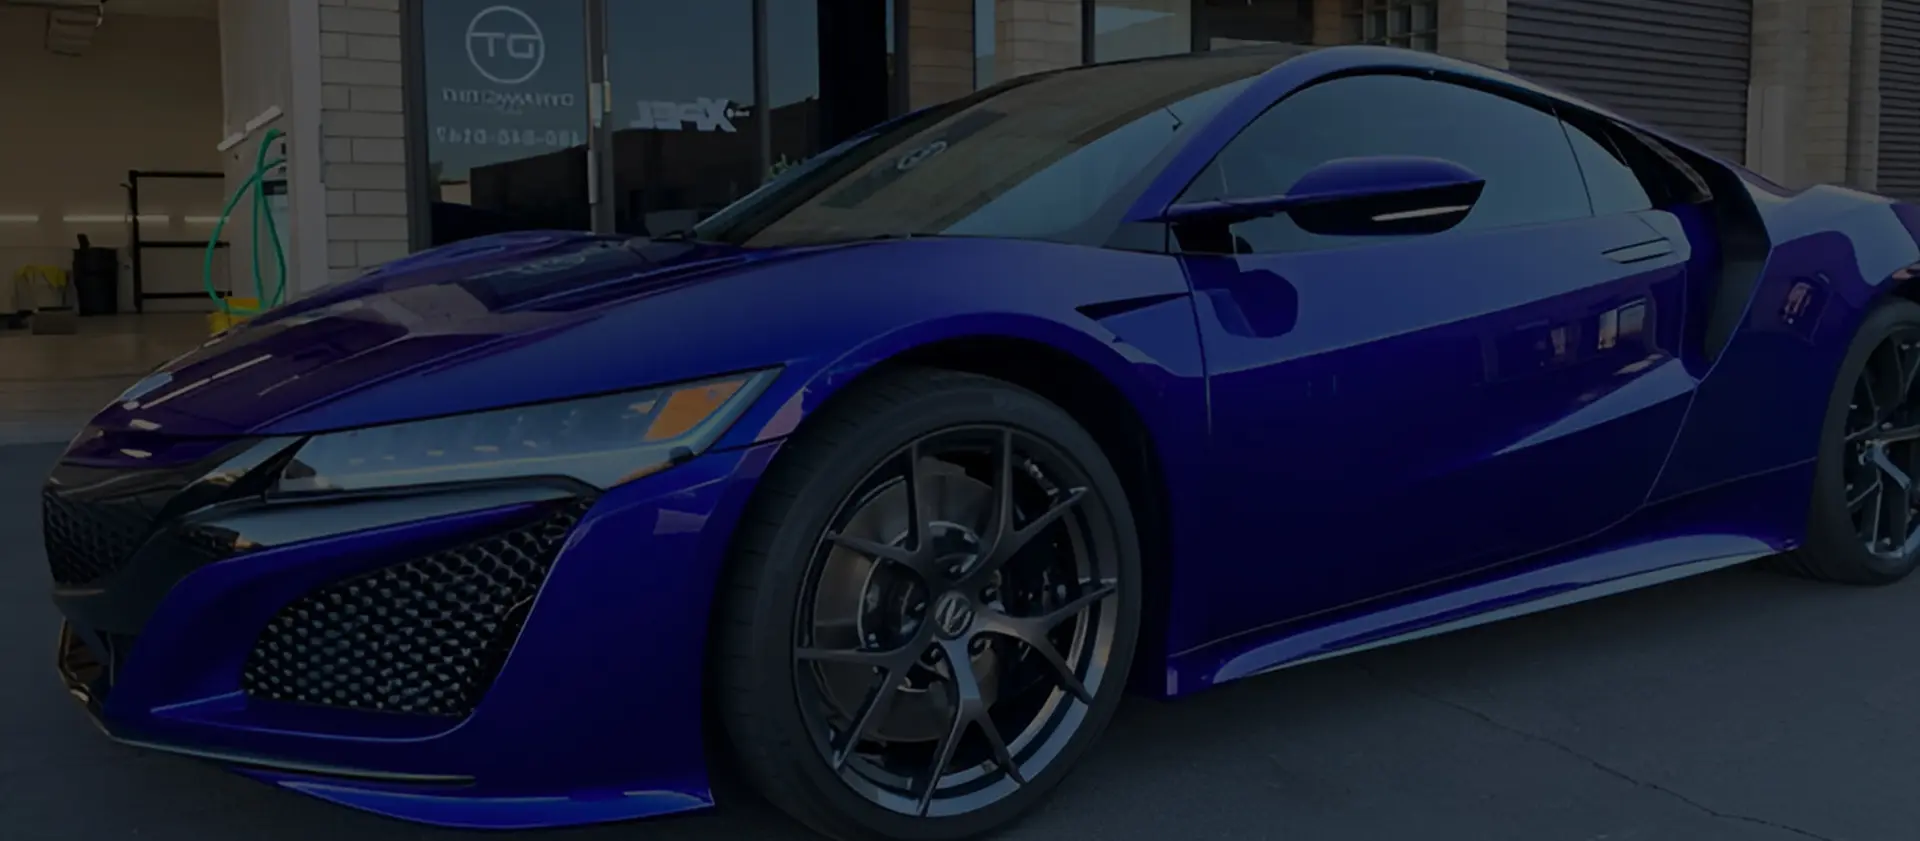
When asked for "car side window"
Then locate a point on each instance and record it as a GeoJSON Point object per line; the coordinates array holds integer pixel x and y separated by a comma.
{"type": "Point", "coordinates": [1612, 183]}
{"type": "Point", "coordinates": [1520, 150]}
{"type": "Point", "coordinates": [1611, 153]}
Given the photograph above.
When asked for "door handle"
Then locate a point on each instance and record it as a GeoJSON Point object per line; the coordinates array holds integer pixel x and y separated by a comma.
{"type": "Point", "coordinates": [1640, 251]}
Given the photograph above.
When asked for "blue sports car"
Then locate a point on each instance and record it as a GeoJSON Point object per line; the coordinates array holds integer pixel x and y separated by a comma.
{"type": "Point", "coordinates": [886, 483]}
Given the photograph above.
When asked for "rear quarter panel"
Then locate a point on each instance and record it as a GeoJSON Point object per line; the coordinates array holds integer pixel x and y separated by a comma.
{"type": "Point", "coordinates": [1759, 409]}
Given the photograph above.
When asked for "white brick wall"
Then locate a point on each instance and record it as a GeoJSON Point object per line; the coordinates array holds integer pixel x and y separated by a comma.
{"type": "Point", "coordinates": [363, 130]}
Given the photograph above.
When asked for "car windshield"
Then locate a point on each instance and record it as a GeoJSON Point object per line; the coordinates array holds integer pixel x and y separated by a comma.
{"type": "Point", "coordinates": [1036, 158]}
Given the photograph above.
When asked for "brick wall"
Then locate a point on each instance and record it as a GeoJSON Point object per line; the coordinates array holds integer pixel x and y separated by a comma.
{"type": "Point", "coordinates": [1776, 98]}
{"type": "Point", "coordinates": [1330, 23]}
{"type": "Point", "coordinates": [1475, 30]}
{"type": "Point", "coordinates": [363, 134]}
{"type": "Point", "coordinates": [1829, 83]}
{"type": "Point", "coordinates": [1863, 113]}
{"type": "Point", "coordinates": [940, 47]}
{"type": "Point", "coordinates": [1031, 36]}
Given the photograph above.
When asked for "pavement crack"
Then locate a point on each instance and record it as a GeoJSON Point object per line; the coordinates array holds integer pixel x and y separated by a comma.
{"type": "Point", "coordinates": [1596, 764]}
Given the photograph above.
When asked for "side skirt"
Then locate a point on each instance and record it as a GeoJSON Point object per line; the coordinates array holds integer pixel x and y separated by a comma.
{"type": "Point", "coordinates": [1589, 578]}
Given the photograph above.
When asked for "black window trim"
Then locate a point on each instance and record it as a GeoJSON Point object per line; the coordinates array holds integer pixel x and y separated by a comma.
{"type": "Point", "coordinates": [1667, 178]}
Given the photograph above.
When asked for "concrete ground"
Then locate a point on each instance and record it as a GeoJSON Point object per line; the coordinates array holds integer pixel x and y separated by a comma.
{"type": "Point", "coordinates": [50, 385]}
{"type": "Point", "coordinates": [1735, 707]}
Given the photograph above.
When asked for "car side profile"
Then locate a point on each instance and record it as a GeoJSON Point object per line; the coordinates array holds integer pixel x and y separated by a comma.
{"type": "Point", "coordinates": [887, 482]}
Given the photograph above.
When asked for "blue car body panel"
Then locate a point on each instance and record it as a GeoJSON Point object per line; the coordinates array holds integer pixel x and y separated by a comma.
{"type": "Point", "coordinates": [1290, 402]}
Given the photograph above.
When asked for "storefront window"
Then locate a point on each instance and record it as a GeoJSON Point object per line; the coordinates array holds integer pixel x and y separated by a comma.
{"type": "Point", "coordinates": [1124, 29]}
{"type": "Point", "coordinates": [685, 120]}
{"type": "Point", "coordinates": [1225, 24]}
{"type": "Point", "coordinates": [829, 73]}
{"type": "Point", "coordinates": [506, 103]}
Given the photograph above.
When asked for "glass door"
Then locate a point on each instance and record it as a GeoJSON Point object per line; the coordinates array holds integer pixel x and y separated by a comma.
{"type": "Point", "coordinates": [506, 101]}
{"type": "Point", "coordinates": [684, 116]}
{"type": "Point", "coordinates": [708, 100]}
{"type": "Point", "coordinates": [830, 73]}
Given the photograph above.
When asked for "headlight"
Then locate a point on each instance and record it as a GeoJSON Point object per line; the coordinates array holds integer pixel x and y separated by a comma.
{"type": "Point", "coordinates": [602, 441]}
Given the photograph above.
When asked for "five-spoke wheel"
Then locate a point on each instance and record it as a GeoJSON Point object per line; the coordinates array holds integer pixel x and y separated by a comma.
{"type": "Point", "coordinates": [959, 571]}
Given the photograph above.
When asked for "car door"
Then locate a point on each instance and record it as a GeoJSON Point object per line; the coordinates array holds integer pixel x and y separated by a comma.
{"type": "Point", "coordinates": [1389, 412]}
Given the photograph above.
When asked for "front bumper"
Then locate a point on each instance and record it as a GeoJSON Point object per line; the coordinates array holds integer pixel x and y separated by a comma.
{"type": "Point", "coordinates": [514, 655]}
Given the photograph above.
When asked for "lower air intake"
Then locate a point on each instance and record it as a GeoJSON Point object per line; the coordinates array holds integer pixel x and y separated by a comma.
{"type": "Point", "coordinates": [424, 637]}
{"type": "Point", "coordinates": [88, 541]}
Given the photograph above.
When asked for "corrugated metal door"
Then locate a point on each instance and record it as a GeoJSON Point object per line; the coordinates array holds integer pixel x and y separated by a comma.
{"type": "Point", "coordinates": [1900, 100]}
{"type": "Point", "coordinates": [1680, 65]}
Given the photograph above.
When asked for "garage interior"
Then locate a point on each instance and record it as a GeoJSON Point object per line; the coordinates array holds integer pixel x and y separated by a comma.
{"type": "Point", "coordinates": [113, 89]}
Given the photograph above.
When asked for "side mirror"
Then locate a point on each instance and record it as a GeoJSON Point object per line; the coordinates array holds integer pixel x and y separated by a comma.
{"type": "Point", "coordinates": [1371, 196]}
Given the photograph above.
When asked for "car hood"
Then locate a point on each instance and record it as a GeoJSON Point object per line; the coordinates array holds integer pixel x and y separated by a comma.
{"type": "Point", "coordinates": [435, 308]}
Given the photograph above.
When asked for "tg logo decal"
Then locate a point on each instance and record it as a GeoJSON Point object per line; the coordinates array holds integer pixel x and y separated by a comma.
{"type": "Point", "coordinates": [505, 45]}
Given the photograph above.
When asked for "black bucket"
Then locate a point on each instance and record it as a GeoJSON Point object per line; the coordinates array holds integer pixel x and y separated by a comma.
{"type": "Point", "coordinates": [96, 281]}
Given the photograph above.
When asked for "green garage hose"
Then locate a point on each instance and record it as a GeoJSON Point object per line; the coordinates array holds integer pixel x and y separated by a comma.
{"type": "Point", "coordinates": [261, 166]}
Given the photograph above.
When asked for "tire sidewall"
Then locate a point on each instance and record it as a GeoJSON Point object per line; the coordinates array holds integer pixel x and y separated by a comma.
{"type": "Point", "coordinates": [878, 436]}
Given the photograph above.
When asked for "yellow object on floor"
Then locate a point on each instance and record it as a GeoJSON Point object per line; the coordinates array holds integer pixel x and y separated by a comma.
{"type": "Point", "coordinates": [241, 309]}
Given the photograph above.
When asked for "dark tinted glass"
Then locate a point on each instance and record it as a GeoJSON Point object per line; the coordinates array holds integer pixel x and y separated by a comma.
{"type": "Point", "coordinates": [506, 95]}
{"type": "Point", "coordinates": [829, 73]}
{"type": "Point", "coordinates": [685, 123]}
{"type": "Point", "coordinates": [1124, 29]}
{"type": "Point", "coordinates": [1038, 158]}
{"type": "Point", "coordinates": [1226, 24]}
{"type": "Point", "coordinates": [1520, 151]}
{"type": "Point", "coordinates": [1611, 181]}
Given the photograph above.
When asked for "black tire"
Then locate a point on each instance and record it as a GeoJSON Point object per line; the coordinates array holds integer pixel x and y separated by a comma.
{"type": "Point", "coordinates": [758, 686]}
{"type": "Point", "coordinates": [1835, 550]}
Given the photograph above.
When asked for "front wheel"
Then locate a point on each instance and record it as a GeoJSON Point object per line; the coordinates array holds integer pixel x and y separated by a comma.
{"type": "Point", "coordinates": [930, 611]}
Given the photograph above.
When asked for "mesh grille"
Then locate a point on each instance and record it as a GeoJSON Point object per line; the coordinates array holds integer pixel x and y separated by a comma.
{"type": "Point", "coordinates": [87, 541]}
{"type": "Point", "coordinates": [424, 637]}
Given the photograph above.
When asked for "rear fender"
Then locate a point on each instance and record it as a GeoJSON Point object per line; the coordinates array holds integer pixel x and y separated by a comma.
{"type": "Point", "coordinates": [1760, 407]}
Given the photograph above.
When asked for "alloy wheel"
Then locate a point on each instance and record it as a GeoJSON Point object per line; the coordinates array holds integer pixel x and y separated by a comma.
{"type": "Point", "coordinates": [1882, 455]}
{"type": "Point", "coordinates": [956, 621]}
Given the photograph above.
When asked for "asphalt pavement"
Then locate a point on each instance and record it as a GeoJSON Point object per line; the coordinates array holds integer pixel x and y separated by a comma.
{"type": "Point", "coordinates": [1734, 707]}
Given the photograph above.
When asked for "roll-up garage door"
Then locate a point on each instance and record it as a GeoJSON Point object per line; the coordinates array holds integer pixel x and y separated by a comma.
{"type": "Point", "coordinates": [1900, 100]}
{"type": "Point", "coordinates": [1680, 65]}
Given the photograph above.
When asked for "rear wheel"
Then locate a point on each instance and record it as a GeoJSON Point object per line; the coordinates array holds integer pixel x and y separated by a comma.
{"type": "Point", "coordinates": [1863, 528]}
{"type": "Point", "coordinates": [930, 612]}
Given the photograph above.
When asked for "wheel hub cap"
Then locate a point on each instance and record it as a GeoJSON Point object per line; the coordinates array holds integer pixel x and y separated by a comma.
{"type": "Point", "coordinates": [953, 615]}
